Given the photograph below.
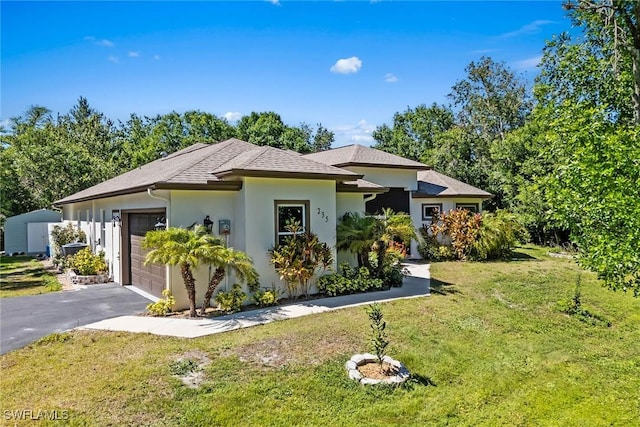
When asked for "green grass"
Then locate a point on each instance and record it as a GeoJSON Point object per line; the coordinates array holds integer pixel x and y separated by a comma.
{"type": "Point", "coordinates": [23, 275]}
{"type": "Point", "coordinates": [488, 348]}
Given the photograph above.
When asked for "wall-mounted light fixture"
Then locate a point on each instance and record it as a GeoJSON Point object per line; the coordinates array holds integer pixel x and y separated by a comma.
{"type": "Point", "coordinates": [208, 224]}
{"type": "Point", "coordinates": [160, 224]}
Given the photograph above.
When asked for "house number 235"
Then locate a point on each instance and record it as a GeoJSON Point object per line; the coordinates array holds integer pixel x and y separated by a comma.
{"type": "Point", "coordinates": [323, 215]}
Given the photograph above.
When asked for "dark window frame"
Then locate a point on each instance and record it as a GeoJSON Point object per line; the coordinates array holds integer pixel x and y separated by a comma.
{"type": "Point", "coordinates": [430, 205]}
{"type": "Point", "coordinates": [306, 216]}
{"type": "Point", "coordinates": [476, 207]}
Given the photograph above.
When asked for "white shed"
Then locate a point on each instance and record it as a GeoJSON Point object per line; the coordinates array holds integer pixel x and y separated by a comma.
{"type": "Point", "coordinates": [28, 232]}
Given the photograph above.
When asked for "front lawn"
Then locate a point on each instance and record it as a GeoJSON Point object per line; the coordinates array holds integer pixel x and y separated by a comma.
{"type": "Point", "coordinates": [489, 347]}
{"type": "Point", "coordinates": [24, 275]}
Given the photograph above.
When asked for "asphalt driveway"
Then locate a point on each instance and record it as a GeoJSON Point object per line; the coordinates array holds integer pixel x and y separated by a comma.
{"type": "Point", "coordinates": [24, 320]}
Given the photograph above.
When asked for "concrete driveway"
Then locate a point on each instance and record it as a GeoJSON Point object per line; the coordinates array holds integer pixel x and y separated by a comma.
{"type": "Point", "coordinates": [24, 320]}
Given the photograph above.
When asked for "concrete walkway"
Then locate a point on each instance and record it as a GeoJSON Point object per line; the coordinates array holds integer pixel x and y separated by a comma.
{"type": "Point", "coordinates": [416, 284]}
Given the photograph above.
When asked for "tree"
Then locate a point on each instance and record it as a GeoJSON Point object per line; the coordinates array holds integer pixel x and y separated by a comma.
{"type": "Point", "coordinates": [180, 247]}
{"type": "Point", "coordinates": [222, 258]}
{"type": "Point", "coordinates": [414, 132]}
{"type": "Point", "coordinates": [595, 193]}
{"type": "Point", "coordinates": [322, 139]}
{"type": "Point", "coordinates": [612, 32]}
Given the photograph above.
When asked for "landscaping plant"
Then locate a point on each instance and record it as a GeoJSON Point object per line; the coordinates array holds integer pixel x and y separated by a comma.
{"type": "Point", "coordinates": [300, 258]}
{"type": "Point", "coordinates": [231, 301]}
{"type": "Point", "coordinates": [379, 340]}
{"type": "Point", "coordinates": [164, 305]}
{"type": "Point", "coordinates": [86, 263]}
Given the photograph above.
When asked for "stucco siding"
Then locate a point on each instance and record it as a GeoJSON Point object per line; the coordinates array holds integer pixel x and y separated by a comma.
{"type": "Point", "coordinates": [396, 178]}
{"type": "Point", "coordinates": [259, 216]}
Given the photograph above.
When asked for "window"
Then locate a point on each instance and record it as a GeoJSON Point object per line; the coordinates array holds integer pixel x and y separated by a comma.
{"type": "Point", "coordinates": [471, 207]}
{"type": "Point", "coordinates": [288, 211]}
{"type": "Point", "coordinates": [430, 209]}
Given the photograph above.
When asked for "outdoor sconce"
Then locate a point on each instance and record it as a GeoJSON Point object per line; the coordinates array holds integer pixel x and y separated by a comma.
{"type": "Point", "coordinates": [160, 225]}
{"type": "Point", "coordinates": [208, 224]}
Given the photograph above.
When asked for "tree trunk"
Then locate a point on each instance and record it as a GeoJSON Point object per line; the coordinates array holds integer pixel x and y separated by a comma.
{"type": "Point", "coordinates": [190, 284]}
{"type": "Point", "coordinates": [216, 279]}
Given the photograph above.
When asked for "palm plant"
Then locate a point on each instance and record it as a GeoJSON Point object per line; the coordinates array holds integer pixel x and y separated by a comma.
{"type": "Point", "coordinates": [182, 247]}
{"type": "Point", "coordinates": [221, 257]}
{"type": "Point", "coordinates": [363, 235]}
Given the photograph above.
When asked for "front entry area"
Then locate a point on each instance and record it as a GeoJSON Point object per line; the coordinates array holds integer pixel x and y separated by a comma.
{"type": "Point", "coordinates": [149, 278]}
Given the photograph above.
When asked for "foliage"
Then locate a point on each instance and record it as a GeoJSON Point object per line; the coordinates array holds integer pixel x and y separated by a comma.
{"type": "Point", "coordinates": [266, 297]}
{"type": "Point", "coordinates": [300, 258]}
{"type": "Point", "coordinates": [63, 236]}
{"type": "Point", "coordinates": [86, 263]}
{"type": "Point", "coordinates": [460, 234]}
{"type": "Point", "coordinates": [414, 131]}
{"type": "Point", "coordinates": [351, 280]}
{"type": "Point", "coordinates": [595, 193]}
{"type": "Point", "coordinates": [182, 247]}
{"type": "Point", "coordinates": [499, 234]}
{"type": "Point", "coordinates": [231, 301]}
{"type": "Point", "coordinates": [223, 259]}
{"type": "Point", "coordinates": [164, 305]}
{"type": "Point", "coordinates": [380, 235]}
{"type": "Point", "coordinates": [379, 341]}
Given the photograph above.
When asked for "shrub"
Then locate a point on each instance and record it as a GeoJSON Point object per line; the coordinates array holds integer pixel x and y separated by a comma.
{"type": "Point", "coordinates": [86, 263]}
{"type": "Point", "coordinates": [266, 297]}
{"type": "Point", "coordinates": [499, 234]}
{"type": "Point", "coordinates": [65, 235]}
{"type": "Point", "coordinates": [350, 281]}
{"type": "Point", "coordinates": [231, 301]}
{"type": "Point", "coordinates": [162, 306]}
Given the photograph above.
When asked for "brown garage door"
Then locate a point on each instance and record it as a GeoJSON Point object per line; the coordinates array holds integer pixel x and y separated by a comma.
{"type": "Point", "coordinates": [150, 278]}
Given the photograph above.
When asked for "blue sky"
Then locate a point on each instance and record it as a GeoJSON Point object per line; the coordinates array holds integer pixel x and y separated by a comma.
{"type": "Point", "coordinates": [348, 65]}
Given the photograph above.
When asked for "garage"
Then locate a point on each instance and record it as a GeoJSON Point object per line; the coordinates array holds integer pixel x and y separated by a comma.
{"type": "Point", "coordinates": [149, 278]}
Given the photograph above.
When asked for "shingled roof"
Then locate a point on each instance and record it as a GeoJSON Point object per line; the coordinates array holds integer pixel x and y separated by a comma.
{"type": "Point", "coordinates": [434, 184]}
{"type": "Point", "coordinates": [210, 166]}
{"type": "Point", "coordinates": [359, 155]}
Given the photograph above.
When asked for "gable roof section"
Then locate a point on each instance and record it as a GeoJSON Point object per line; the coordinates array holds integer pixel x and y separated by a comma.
{"type": "Point", "coordinates": [434, 184]}
{"type": "Point", "coordinates": [359, 155]}
{"type": "Point", "coordinates": [269, 161]}
{"type": "Point", "coordinates": [206, 166]}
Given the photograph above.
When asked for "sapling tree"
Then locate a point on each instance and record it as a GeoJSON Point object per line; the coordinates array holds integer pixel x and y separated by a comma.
{"type": "Point", "coordinates": [379, 340]}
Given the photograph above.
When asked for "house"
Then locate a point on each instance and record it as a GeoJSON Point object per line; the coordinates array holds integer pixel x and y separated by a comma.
{"type": "Point", "coordinates": [247, 192]}
{"type": "Point", "coordinates": [28, 233]}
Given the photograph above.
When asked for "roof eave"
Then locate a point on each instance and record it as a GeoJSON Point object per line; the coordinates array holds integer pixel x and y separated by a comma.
{"type": "Point", "coordinates": [210, 185]}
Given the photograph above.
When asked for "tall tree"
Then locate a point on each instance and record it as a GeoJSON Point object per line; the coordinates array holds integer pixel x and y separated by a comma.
{"type": "Point", "coordinates": [414, 131]}
{"type": "Point", "coordinates": [612, 33]}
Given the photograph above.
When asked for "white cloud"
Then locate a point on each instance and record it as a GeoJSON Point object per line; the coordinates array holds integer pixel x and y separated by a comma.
{"type": "Point", "coordinates": [530, 28]}
{"type": "Point", "coordinates": [113, 59]}
{"type": "Point", "coordinates": [232, 116]}
{"type": "Point", "coordinates": [359, 133]}
{"type": "Point", "coordinates": [134, 54]}
{"type": "Point", "coordinates": [347, 65]}
{"type": "Point", "coordinates": [105, 43]}
{"type": "Point", "coordinates": [390, 78]}
{"type": "Point", "coordinates": [156, 57]}
{"type": "Point", "coordinates": [528, 64]}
